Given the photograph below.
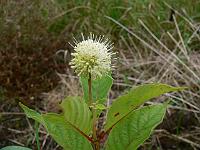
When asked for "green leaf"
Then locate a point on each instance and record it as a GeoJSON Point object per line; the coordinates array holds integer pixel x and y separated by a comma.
{"type": "Point", "coordinates": [76, 112]}
{"type": "Point", "coordinates": [31, 113]}
{"type": "Point", "coordinates": [15, 148]}
{"type": "Point", "coordinates": [100, 88]}
{"type": "Point", "coordinates": [135, 128]}
{"type": "Point", "coordinates": [134, 98]}
{"type": "Point", "coordinates": [100, 107]}
{"type": "Point", "coordinates": [65, 134]}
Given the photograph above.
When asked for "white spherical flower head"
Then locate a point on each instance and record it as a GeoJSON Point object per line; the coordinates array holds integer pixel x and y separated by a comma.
{"type": "Point", "coordinates": [92, 56]}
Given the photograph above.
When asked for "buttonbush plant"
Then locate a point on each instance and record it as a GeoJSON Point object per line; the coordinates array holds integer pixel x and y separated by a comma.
{"type": "Point", "coordinates": [128, 122]}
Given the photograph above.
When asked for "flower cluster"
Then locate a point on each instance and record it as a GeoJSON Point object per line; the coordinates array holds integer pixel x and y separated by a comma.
{"type": "Point", "coordinates": [92, 56]}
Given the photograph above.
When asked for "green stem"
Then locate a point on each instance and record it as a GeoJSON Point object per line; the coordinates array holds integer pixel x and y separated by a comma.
{"type": "Point", "coordinates": [90, 90]}
{"type": "Point", "coordinates": [37, 134]}
{"type": "Point", "coordinates": [94, 125]}
{"type": "Point", "coordinates": [96, 142]}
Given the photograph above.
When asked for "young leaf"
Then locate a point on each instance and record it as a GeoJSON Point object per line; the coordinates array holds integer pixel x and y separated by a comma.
{"type": "Point", "coordinates": [134, 98]}
{"type": "Point", "coordinates": [65, 134]}
{"type": "Point", "coordinates": [100, 88]}
{"type": "Point", "coordinates": [15, 148]}
{"type": "Point", "coordinates": [100, 107]}
{"type": "Point", "coordinates": [130, 132]}
{"type": "Point", "coordinates": [76, 112]}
